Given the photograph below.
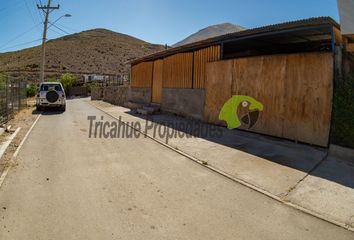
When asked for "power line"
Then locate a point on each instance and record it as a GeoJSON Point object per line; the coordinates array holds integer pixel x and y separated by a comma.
{"type": "Point", "coordinates": [56, 32]}
{"type": "Point", "coordinates": [59, 28]}
{"type": "Point", "coordinates": [20, 35]}
{"type": "Point", "coordinates": [30, 12]}
{"type": "Point", "coordinates": [39, 11]}
{"type": "Point", "coordinates": [37, 40]}
{"type": "Point", "coordinates": [21, 44]}
{"type": "Point", "coordinates": [66, 27]}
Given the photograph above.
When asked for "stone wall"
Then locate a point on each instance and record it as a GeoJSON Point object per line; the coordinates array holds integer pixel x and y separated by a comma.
{"type": "Point", "coordinates": [185, 102]}
{"type": "Point", "coordinates": [78, 91]}
{"type": "Point", "coordinates": [116, 95]}
{"type": "Point", "coordinates": [96, 93]}
{"type": "Point", "coordinates": [139, 95]}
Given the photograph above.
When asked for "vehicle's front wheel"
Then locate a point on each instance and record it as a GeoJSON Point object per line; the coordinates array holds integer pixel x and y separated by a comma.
{"type": "Point", "coordinates": [38, 108]}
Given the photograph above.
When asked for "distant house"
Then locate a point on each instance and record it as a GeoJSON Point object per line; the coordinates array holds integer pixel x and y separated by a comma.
{"type": "Point", "coordinates": [94, 77]}
{"type": "Point", "coordinates": [107, 79]}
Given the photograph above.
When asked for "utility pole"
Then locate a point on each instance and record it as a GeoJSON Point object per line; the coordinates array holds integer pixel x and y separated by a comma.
{"type": "Point", "coordinates": [46, 9]}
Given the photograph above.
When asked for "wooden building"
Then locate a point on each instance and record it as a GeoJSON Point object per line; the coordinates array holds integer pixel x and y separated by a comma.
{"type": "Point", "coordinates": [288, 67]}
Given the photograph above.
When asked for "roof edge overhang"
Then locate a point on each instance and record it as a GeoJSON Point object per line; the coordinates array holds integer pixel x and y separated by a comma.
{"type": "Point", "coordinates": [305, 24]}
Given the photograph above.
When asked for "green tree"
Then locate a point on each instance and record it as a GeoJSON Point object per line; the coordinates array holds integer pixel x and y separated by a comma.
{"type": "Point", "coordinates": [31, 90]}
{"type": "Point", "coordinates": [343, 111]}
{"type": "Point", "coordinates": [68, 80]}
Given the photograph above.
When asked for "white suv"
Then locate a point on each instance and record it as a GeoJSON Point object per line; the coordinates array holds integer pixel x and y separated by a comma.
{"type": "Point", "coordinates": [51, 94]}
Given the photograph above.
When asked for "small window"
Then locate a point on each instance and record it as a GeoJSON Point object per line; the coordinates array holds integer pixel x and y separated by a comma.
{"type": "Point", "coordinates": [51, 87]}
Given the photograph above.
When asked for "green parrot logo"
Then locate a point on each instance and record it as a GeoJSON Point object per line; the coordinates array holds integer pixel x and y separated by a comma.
{"type": "Point", "coordinates": [238, 105]}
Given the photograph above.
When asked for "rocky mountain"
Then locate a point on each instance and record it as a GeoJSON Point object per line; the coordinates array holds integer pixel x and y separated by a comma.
{"type": "Point", "coordinates": [94, 51]}
{"type": "Point", "coordinates": [209, 32]}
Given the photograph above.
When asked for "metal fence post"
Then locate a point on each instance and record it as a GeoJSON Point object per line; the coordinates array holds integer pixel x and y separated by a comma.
{"type": "Point", "coordinates": [6, 97]}
{"type": "Point", "coordinates": [12, 96]}
{"type": "Point", "coordinates": [19, 95]}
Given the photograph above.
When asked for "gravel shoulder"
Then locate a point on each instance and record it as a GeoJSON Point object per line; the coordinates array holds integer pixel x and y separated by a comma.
{"type": "Point", "coordinates": [24, 120]}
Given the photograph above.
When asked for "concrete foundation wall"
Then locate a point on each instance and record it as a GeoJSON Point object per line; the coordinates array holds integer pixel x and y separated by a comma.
{"type": "Point", "coordinates": [139, 95]}
{"type": "Point", "coordinates": [116, 95]}
{"type": "Point", "coordinates": [185, 102]}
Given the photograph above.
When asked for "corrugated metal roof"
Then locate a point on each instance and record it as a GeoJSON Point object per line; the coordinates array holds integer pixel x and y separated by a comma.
{"type": "Point", "coordinates": [310, 22]}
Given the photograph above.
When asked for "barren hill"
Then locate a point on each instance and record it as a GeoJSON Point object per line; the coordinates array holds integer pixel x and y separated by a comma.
{"type": "Point", "coordinates": [209, 32]}
{"type": "Point", "coordinates": [95, 51]}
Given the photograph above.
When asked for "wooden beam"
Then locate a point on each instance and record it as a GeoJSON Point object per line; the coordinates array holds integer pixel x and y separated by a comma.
{"type": "Point", "coordinates": [337, 36]}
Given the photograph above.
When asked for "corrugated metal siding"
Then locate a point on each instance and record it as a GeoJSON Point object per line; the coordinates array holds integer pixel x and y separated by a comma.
{"type": "Point", "coordinates": [157, 81]}
{"type": "Point", "coordinates": [141, 75]}
{"type": "Point", "coordinates": [177, 71]}
{"type": "Point", "coordinates": [201, 57]}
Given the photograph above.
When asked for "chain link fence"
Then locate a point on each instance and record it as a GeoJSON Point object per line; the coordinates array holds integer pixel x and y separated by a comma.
{"type": "Point", "coordinates": [12, 96]}
{"type": "Point", "coordinates": [343, 111]}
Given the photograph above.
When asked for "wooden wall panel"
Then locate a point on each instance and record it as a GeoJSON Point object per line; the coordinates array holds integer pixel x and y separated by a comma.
{"type": "Point", "coordinates": [338, 38]}
{"type": "Point", "coordinates": [295, 90]}
{"type": "Point", "coordinates": [177, 71]}
{"type": "Point", "coordinates": [308, 97]}
{"type": "Point", "coordinates": [157, 81]}
{"type": "Point", "coordinates": [218, 89]}
{"type": "Point", "coordinates": [141, 75]}
{"type": "Point", "coordinates": [263, 79]}
{"type": "Point", "coordinates": [201, 57]}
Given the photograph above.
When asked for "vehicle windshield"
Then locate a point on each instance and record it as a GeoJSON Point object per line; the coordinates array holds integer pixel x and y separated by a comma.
{"type": "Point", "coordinates": [51, 87]}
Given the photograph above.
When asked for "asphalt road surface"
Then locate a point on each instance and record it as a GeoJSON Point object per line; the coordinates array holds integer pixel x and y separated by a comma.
{"type": "Point", "coordinates": [69, 186]}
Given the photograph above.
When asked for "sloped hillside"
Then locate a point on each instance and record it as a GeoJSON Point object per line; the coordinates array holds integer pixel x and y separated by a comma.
{"type": "Point", "coordinates": [95, 51]}
{"type": "Point", "coordinates": [209, 32]}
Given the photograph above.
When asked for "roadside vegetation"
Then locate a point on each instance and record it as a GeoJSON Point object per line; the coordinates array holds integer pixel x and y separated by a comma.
{"type": "Point", "coordinates": [343, 111]}
{"type": "Point", "coordinates": [91, 85]}
{"type": "Point", "coordinates": [31, 90]}
{"type": "Point", "coordinates": [68, 81]}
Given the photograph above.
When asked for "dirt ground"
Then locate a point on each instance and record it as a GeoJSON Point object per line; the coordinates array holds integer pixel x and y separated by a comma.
{"type": "Point", "coordinates": [23, 119]}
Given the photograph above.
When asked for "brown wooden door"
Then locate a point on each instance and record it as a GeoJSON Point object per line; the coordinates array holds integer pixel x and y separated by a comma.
{"type": "Point", "coordinates": [157, 81]}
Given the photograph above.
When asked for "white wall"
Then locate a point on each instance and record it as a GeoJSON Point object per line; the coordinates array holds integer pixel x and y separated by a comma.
{"type": "Point", "coordinates": [346, 13]}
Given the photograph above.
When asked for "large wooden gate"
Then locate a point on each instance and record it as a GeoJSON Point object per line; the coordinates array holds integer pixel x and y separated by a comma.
{"type": "Point", "coordinates": [295, 90]}
{"type": "Point", "coordinates": [157, 81]}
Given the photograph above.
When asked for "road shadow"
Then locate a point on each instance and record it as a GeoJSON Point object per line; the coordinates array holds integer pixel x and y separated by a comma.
{"type": "Point", "coordinates": [49, 111]}
{"type": "Point", "coordinates": [36, 112]}
{"type": "Point", "coordinates": [299, 156]}
{"type": "Point", "coordinates": [77, 97]}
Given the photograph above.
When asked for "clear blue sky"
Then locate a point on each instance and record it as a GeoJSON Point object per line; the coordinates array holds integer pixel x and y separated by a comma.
{"type": "Point", "coordinates": [156, 21]}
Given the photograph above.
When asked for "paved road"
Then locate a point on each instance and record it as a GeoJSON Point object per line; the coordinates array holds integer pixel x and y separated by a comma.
{"type": "Point", "coordinates": [68, 186]}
